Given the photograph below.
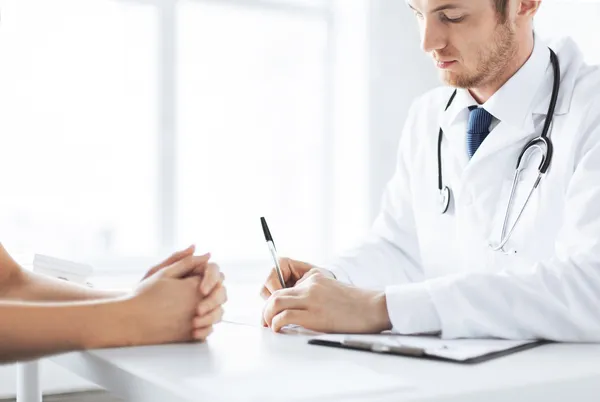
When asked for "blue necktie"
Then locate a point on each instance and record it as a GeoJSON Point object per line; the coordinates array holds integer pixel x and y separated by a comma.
{"type": "Point", "coordinates": [477, 129]}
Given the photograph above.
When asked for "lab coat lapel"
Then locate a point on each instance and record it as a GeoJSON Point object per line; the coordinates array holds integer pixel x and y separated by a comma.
{"type": "Point", "coordinates": [454, 143]}
{"type": "Point", "coordinates": [502, 137]}
{"type": "Point", "coordinates": [454, 123]}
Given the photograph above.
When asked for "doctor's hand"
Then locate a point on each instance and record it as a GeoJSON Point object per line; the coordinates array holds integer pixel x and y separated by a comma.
{"type": "Point", "coordinates": [292, 271]}
{"type": "Point", "coordinates": [323, 304]}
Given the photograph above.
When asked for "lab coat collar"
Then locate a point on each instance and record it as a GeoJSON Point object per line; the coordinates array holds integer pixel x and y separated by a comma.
{"type": "Point", "coordinates": [512, 103]}
{"type": "Point", "coordinates": [570, 60]}
{"type": "Point", "coordinates": [459, 107]}
{"type": "Point", "coordinates": [528, 92]}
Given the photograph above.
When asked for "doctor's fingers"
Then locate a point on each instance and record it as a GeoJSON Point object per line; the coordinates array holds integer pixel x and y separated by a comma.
{"type": "Point", "coordinates": [265, 293]}
{"type": "Point", "coordinates": [314, 274]}
{"type": "Point", "coordinates": [272, 283]}
{"type": "Point", "coordinates": [279, 303]}
{"type": "Point", "coordinates": [289, 317]}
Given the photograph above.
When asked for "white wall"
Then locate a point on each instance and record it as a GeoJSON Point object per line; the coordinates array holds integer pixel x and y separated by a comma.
{"type": "Point", "coordinates": [350, 122]}
{"type": "Point", "coordinates": [379, 70]}
{"type": "Point", "coordinates": [399, 72]}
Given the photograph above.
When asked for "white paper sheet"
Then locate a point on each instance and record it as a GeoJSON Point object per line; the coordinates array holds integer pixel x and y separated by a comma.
{"type": "Point", "coordinates": [305, 382]}
{"type": "Point", "coordinates": [460, 349]}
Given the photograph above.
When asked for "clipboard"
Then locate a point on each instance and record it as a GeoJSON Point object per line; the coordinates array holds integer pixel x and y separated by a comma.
{"type": "Point", "coordinates": [427, 347]}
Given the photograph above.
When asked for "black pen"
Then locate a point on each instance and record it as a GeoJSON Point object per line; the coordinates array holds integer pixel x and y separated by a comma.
{"type": "Point", "coordinates": [273, 251]}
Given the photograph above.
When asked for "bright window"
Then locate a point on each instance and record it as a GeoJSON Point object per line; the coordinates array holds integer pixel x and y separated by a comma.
{"type": "Point", "coordinates": [79, 144]}
{"type": "Point", "coordinates": [252, 129]}
{"type": "Point", "coordinates": [131, 126]}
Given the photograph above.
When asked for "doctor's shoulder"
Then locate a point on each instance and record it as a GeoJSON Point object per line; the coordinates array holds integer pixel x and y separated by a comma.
{"type": "Point", "coordinates": [587, 88]}
{"type": "Point", "coordinates": [580, 133]}
{"type": "Point", "coordinates": [585, 100]}
{"type": "Point", "coordinates": [422, 123]}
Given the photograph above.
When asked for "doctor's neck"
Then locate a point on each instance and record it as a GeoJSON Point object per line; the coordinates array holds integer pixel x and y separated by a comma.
{"type": "Point", "coordinates": [518, 50]}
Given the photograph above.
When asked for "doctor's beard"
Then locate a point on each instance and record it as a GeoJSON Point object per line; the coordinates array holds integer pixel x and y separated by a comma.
{"type": "Point", "coordinates": [493, 59]}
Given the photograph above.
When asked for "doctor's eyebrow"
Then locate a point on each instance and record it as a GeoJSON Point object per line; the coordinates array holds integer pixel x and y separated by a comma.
{"type": "Point", "coordinates": [438, 8]}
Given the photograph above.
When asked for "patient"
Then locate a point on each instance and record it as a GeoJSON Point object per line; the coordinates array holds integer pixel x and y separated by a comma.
{"type": "Point", "coordinates": [178, 300]}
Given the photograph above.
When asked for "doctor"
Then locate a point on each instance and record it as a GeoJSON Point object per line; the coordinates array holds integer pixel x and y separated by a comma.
{"type": "Point", "coordinates": [463, 244]}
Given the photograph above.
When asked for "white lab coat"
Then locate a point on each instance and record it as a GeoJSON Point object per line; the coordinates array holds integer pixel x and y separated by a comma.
{"type": "Point", "coordinates": [438, 271]}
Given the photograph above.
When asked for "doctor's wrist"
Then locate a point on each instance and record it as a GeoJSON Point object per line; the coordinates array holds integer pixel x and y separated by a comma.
{"type": "Point", "coordinates": [378, 312]}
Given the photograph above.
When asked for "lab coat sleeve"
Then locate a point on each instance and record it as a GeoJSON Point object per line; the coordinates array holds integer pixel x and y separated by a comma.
{"type": "Point", "coordinates": [390, 253]}
{"type": "Point", "coordinates": [557, 299]}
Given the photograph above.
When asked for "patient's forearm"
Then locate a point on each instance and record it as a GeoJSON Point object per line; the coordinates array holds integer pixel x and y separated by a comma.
{"type": "Point", "coordinates": [32, 330]}
{"type": "Point", "coordinates": [19, 284]}
{"type": "Point", "coordinates": [34, 287]}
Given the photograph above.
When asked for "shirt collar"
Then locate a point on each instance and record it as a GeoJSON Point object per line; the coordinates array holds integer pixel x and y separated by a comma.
{"type": "Point", "coordinates": [513, 102]}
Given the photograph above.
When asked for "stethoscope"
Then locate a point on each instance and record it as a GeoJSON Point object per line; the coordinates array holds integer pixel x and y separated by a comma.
{"type": "Point", "coordinates": [541, 143]}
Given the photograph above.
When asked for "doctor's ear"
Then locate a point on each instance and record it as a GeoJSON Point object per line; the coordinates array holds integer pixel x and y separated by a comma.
{"type": "Point", "coordinates": [528, 8]}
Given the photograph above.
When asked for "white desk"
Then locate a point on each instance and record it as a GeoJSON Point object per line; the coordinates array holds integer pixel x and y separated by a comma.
{"type": "Point", "coordinates": [155, 374]}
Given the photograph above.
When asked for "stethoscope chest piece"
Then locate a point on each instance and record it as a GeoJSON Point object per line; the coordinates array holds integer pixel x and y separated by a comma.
{"type": "Point", "coordinates": [444, 200]}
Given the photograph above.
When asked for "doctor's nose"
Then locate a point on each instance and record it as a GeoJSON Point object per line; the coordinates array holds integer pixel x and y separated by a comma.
{"type": "Point", "coordinates": [432, 38]}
